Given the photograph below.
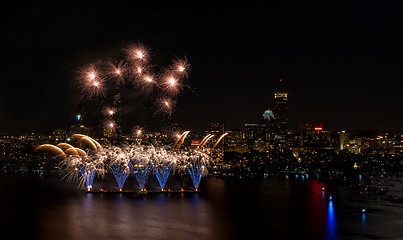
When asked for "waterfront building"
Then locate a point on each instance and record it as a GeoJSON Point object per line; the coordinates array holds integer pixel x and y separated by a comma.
{"type": "Point", "coordinates": [216, 128]}
{"type": "Point", "coordinates": [344, 139]}
{"type": "Point", "coordinates": [315, 136]}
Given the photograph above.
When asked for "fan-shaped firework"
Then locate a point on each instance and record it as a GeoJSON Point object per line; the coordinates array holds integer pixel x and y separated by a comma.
{"type": "Point", "coordinates": [195, 161]}
{"type": "Point", "coordinates": [141, 163]}
{"type": "Point", "coordinates": [119, 163]}
{"type": "Point", "coordinates": [83, 168]}
{"type": "Point", "coordinates": [164, 161]}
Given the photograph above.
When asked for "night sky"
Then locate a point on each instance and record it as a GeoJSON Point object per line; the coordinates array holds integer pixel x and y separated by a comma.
{"type": "Point", "coordinates": [342, 63]}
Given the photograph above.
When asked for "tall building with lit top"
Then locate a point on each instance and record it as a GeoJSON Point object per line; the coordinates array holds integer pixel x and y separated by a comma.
{"type": "Point", "coordinates": [281, 113]}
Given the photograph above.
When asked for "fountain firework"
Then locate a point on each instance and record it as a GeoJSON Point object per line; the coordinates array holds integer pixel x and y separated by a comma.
{"type": "Point", "coordinates": [195, 161]}
{"type": "Point", "coordinates": [141, 160]}
{"type": "Point", "coordinates": [119, 164]}
{"type": "Point", "coordinates": [76, 164]}
{"type": "Point", "coordinates": [164, 161]}
{"type": "Point", "coordinates": [105, 77]}
{"type": "Point", "coordinates": [140, 163]}
{"type": "Point", "coordinates": [81, 167]}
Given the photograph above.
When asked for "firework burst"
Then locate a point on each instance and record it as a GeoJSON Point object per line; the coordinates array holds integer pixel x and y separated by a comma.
{"type": "Point", "coordinates": [138, 52]}
{"type": "Point", "coordinates": [91, 81]}
{"type": "Point", "coordinates": [99, 79]}
{"type": "Point", "coordinates": [109, 112]}
{"type": "Point", "coordinates": [116, 71]}
{"type": "Point", "coordinates": [165, 105]}
{"type": "Point", "coordinates": [180, 68]}
{"type": "Point", "coordinates": [82, 168]}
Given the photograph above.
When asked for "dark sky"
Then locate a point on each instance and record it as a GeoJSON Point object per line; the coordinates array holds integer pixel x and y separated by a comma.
{"type": "Point", "coordinates": [342, 63]}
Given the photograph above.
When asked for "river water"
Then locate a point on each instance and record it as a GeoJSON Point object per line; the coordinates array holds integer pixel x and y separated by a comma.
{"type": "Point", "coordinates": [293, 208]}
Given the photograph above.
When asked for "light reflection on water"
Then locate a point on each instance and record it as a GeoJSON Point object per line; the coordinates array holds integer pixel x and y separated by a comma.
{"type": "Point", "coordinates": [224, 209]}
{"type": "Point", "coordinates": [331, 222]}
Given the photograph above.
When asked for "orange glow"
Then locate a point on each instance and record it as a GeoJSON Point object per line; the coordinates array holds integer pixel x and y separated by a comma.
{"type": "Point", "coordinates": [148, 79]}
{"type": "Point", "coordinates": [171, 81]}
{"type": "Point", "coordinates": [92, 75]}
{"type": "Point", "coordinates": [139, 54]}
{"type": "Point", "coordinates": [318, 129]}
{"type": "Point", "coordinates": [181, 68]}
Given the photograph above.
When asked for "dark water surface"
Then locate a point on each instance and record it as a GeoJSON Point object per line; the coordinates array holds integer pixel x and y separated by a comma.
{"type": "Point", "coordinates": [48, 208]}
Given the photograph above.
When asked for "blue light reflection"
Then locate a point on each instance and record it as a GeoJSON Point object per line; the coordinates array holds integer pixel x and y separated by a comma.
{"type": "Point", "coordinates": [331, 222]}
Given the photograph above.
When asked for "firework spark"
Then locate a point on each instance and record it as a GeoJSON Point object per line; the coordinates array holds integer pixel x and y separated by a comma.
{"type": "Point", "coordinates": [110, 125]}
{"type": "Point", "coordinates": [165, 105]}
{"type": "Point", "coordinates": [137, 132]}
{"type": "Point", "coordinates": [180, 67]}
{"type": "Point", "coordinates": [91, 81]}
{"type": "Point", "coordinates": [195, 161]}
{"type": "Point", "coordinates": [109, 112]}
{"type": "Point", "coordinates": [171, 85]}
{"type": "Point", "coordinates": [98, 79]}
{"type": "Point", "coordinates": [116, 71]}
{"type": "Point", "coordinates": [138, 52]}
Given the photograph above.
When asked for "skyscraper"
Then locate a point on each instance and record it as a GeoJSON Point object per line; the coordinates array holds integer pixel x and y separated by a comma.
{"type": "Point", "coordinates": [315, 136]}
{"type": "Point", "coordinates": [344, 139]}
{"type": "Point", "coordinates": [281, 120]}
{"type": "Point", "coordinates": [216, 128]}
{"type": "Point", "coordinates": [117, 105]}
{"type": "Point", "coordinates": [268, 124]}
{"type": "Point", "coordinates": [112, 127]}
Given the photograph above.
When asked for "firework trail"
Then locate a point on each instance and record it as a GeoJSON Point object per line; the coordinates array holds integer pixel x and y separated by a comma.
{"type": "Point", "coordinates": [182, 139]}
{"type": "Point", "coordinates": [206, 140]}
{"type": "Point", "coordinates": [219, 139]}
{"type": "Point", "coordinates": [52, 149]}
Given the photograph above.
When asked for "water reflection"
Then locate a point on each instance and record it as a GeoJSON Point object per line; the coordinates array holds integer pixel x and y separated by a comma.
{"type": "Point", "coordinates": [331, 222]}
{"type": "Point", "coordinates": [223, 209]}
{"type": "Point", "coordinates": [363, 224]}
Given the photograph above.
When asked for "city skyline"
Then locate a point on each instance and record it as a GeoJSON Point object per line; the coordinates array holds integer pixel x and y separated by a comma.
{"type": "Point", "coordinates": [340, 65]}
{"type": "Point", "coordinates": [197, 120]}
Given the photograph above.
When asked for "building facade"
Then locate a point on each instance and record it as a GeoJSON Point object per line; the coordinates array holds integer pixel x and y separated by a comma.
{"type": "Point", "coordinates": [281, 116]}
